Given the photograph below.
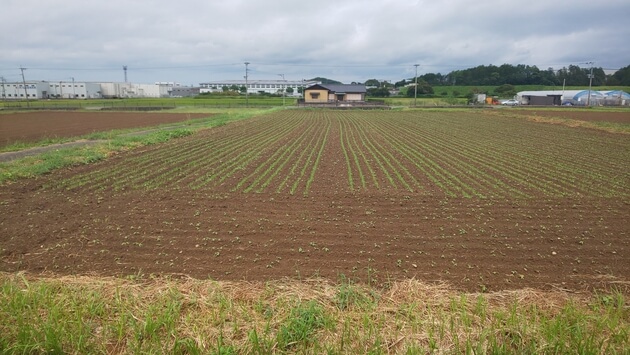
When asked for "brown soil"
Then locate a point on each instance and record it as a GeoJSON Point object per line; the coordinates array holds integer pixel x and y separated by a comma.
{"type": "Point", "coordinates": [35, 126]}
{"type": "Point", "coordinates": [589, 116]}
{"type": "Point", "coordinates": [576, 244]}
{"type": "Point", "coordinates": [374, 234]}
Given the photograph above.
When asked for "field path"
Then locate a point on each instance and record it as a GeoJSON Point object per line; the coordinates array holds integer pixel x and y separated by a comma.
{"type": "Point", "coordinates": [8, 156]}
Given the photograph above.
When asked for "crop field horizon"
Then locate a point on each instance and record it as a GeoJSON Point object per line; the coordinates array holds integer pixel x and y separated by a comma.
{"type": "Point", "coordinates": [483, 201]}
{"type": "Point", "coordinates": [415, 231]}
{"type": "Point", "coordinates": [436, 154]}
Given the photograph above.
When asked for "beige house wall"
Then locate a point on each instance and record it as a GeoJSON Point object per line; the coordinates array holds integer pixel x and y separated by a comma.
{"type": "Point", "coordinates": [323, 96]}
{"type": "Point", "coordinates": [354, 97]}
{"type": "Point", "coordinates": [346, 97]}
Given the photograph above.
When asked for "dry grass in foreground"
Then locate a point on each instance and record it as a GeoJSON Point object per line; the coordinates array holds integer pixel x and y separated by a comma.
{"type": "Point", "coordinates": [160, 315]}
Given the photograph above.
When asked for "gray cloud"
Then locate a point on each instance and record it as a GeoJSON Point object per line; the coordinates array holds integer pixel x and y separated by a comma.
{"type": "Point", "coordinates": [191, 41]}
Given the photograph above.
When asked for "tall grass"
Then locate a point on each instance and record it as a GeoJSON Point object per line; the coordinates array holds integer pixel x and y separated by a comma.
{"type": "Point", "coordinates": [160, 315]}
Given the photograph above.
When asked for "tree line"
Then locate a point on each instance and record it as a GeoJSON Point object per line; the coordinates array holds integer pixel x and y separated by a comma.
{"type": "Point", "coordinates": [529, 75]}
{"type": "Point", "coordinates": [507, 74]}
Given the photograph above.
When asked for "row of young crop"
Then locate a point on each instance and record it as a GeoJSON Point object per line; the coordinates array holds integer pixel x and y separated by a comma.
{"type": "Point", "coordinates": [551, 159]}
{"type": "Point", "coordinates": [281, 151]}
{"type": "Point", "coordinates": [459, 170]}
{"type": "Point", "coordinates": [457, 154]}
{"type": "Point", "coordinates": [448, 175]}
{"type": "Point", "coordinates": [478, 151]}
{"type": "Point", "coordinates": [370, 160]}
{"type": "Point", "coordinates": [290, 166]}
{"type": "Point", "coordinates": [147, 168]}
{"type": "Point", "coordinates": [475, 155]}
{"type": "Point", "coordinates": [239, 151]}
{"type": "Point", "coordinates": [419, 159]}
{"type": "Point", "coordinates": [136, 167]}
{"type": "Point", "coordinates": [284, 157]}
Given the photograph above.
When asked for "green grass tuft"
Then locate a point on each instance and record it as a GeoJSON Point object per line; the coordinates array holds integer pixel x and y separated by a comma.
{"type": "Point", "coordinates": [160, 315]}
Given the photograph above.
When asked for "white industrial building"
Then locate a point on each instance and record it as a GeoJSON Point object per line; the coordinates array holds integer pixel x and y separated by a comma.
{"type": "Point", "coordinates": [131, 90]}
{"type": "Point", "coordinates": [94, 90]}
{"type": "Point", "coordinates": [81, 90]}
{"type": "Point", "coordinates": [71, 89]}
{"type": "Point", "coordinates": [49, 90]}
{"type": "Point", "coordinates": [19, 91]}
{"type": "Point", "coordinates": [256, 86]}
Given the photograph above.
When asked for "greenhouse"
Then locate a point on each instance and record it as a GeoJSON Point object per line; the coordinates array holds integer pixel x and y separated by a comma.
{"type": "Point", "coordinates": [616, 97]}
{"type": "Point", "coordinates": [583, 98]}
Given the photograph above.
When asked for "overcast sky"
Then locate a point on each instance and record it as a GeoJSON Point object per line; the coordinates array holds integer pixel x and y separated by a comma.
{"type": "Point", "coordinates": [193, 41]}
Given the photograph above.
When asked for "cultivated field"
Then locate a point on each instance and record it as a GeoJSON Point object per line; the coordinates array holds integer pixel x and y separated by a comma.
{"type": "Point", "coordinates": [481, 201]}
{"type": "Point", "coordinates": [622, 117]}
{"type": "Point", "coordinates": [36, 126]}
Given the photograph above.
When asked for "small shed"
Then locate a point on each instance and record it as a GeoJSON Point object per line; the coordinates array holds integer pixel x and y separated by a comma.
{"type": "Point", "coordinates": [544, 97]}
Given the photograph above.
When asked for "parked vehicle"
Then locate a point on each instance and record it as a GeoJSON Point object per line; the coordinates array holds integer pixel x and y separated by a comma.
{"type": "Point", "coordinates": [511, 102]}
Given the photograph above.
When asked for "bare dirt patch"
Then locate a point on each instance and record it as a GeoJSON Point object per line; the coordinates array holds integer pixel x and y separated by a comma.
{"type": "Point", "coordinates": [35, 126]}
{"type": "Point", "coordinates": [588, 116]}
{"type": "Point", "coordinates": [476, 245]}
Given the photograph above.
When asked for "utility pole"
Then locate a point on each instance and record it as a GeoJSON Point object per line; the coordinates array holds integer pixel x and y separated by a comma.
{"type": "Point", "coordinates": [74, 93]}
{"type": "Point", "coordinates": [246, 85]}
{"type": "Point", "coordinates": [283, 88]}
{"type": "Point", "coordinates": [24, 83]}
{"type": "Point", "coordinates": [590, 83]}
{"type": "Point", "coordinates": [125, 70]}
{"type": "Point", "coordinates": [4, 96]}
{"type": "Point", "coordinates": [415, 87]}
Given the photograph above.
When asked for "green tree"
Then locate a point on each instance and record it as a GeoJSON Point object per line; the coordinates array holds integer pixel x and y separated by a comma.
{"type": "Point", "coordinates": [506, 90]}
{"type": "Point", "coordinates": [325, 80]}
{"type": "Point", "coordinates": [573, 76]}
{"type": "Point", "coordinates": [373, 82]}
{"type": "Point", "coordinates": [401, 83]}
{"type": "Point", "coordinates": [378, 92]}
{"type": "Point", "coordinates": [433, 79]}
{"type": "Point", "coordinates": [620, 77]}
{"type": "Point", "coordinates": [423, 89]}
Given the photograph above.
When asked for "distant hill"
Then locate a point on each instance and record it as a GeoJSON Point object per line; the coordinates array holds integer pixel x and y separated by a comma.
{"type": "Point", "coordinates": [326, 80]}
